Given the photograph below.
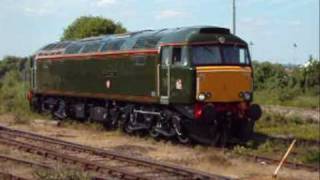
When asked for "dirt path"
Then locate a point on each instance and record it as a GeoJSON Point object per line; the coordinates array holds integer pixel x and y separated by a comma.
{"type": "Point", "coordinates": [303, 113]}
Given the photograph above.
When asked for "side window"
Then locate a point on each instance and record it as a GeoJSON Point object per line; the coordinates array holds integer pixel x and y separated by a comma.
{"type": "Point", "coordinates": [91, 47]}
{"type": "Point", "coordinates": [242, 57]}
{"type": "Point", "coordinates": [146, 42]}
{"type": "Point", "coordinates": [113, 45]}
{"type": "Point", "coordinates": [73, 49]}
{"type": "Point", "coordinates": [176, 55]}
{"type": "Point", "coordinates": [165, 55]}
{"type": "Point", "coordinates": [185, 55]}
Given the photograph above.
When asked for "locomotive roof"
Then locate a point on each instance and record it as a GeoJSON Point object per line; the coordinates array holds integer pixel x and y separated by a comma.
{"type": "Point", "coordinates": [147, 39]}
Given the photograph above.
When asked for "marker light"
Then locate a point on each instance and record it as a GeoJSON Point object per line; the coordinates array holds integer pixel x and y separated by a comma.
{"type": "Point", "coordinates": [198, 111]}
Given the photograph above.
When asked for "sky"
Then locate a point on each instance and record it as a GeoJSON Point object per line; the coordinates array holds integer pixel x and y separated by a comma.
{"type": "Point", "coordinates": [273, 26]}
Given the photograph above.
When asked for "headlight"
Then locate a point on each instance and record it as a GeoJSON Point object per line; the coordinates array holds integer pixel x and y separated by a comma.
{"type": "Point", "coordinates": [204, 96]}
{"type": "Point", "coordinates": [201, 97]}
{"type": "Point", "coordinates": [247, 96]}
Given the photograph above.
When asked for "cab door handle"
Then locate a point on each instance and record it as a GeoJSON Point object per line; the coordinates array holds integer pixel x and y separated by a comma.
{"type": "Point", "coordinates": [110, 74]}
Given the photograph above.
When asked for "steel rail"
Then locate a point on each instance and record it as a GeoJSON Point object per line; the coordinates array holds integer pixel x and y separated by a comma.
{"type": "Point", "coordinates": [156, 166]}
{"type": "Point", "coordinates": [5, 175]}
{"type": "Point", "coordinates": [287, 164]}
{"type": "Point", "coordinates": [143, 162]}
{"type": "Point", "coordinates": [66, 159]}
{"type": "Point", "coordinates": [287, 140]}
{"type": "Point", "coordinates": [114, 155]}
{"type": "Point", "coordinates": [66, 147]}
{"type": "Point", "coordinates": [22, 161]}
{"type": "Point", "coordinates": [33, 163]}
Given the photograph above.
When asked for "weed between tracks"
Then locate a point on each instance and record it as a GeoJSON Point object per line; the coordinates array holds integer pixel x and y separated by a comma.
{"type": "Point", "coordinates": [62, 173]}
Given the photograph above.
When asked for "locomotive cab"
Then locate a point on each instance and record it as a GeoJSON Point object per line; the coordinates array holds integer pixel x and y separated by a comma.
{"type": "Point", "coordinates": [223, 73]}
{"type": "Point", "coordinates": [213, 70]}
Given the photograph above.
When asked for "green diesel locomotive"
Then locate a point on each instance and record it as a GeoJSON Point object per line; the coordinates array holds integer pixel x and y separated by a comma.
{"type": "Point", "coordinates": [192, 83]}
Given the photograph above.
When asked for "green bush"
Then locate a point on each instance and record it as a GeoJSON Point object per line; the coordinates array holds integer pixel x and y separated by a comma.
{"type": "Point", "coordinates": [287, 93]}
{"type": "Point", "coordinates": [287, 85]}
{"type": "Point", "coordinates": [12, 93]}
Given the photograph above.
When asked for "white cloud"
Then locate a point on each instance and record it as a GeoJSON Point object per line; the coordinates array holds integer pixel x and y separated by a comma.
{"type": "Point", "coordinates": [272, 2]}
{"type": "Point", "coordinates": [37, 11]}
{"type": "Point", "coordinates": [275, 3]}
{"type": "Point", "coordinates": [105, 2]}
{"type": "Point", "coordinates": [165, 14]}
{"type": "Point", "coordinates": [255, 22]}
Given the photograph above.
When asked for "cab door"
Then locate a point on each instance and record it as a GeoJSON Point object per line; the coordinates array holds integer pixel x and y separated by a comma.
{"type": "Point", "coordinates": [33, 70]}
{"type": "Point", "coordinates": [164, 74]}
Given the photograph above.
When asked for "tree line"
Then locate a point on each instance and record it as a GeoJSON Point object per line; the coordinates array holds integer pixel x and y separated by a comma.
{"type": "Point", "coordinates": [288, 82]}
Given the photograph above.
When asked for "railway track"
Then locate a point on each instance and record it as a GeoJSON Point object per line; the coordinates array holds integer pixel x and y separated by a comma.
{"type": "Point", "coordinates": [5, 175]}
{"type": "Point", "coordinates": [286, 140]}
{"type": "Point", "coordinates": [291, 165]}
{"type": "Point", "coordinates": [15, 160]}
{"type": "Point", "coordinates": [283, 140]}
{"type": "Point", "coordinates": [104, 163]}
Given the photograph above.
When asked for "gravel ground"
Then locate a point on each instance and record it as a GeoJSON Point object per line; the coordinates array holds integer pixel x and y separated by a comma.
{"type": "Point", "coordinates": [305, 114]}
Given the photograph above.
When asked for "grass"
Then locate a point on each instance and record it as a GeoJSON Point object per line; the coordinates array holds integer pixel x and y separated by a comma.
{"type": "Point", "coordinates": [272, 124]}
{"type": "Point", "coordinates": [300, 153]}
{"type": "Point", "coordinates": [13, 94]}
{"type": "Point", "coordinates": [279, 124]}
{"type": "Point", "coordinates": [13, 98]}
{"type": "Point", "coordinates": [76, 124]}
{"type": "Point", "coordinates": [274, 97]}
{"type": "Point", "coordinates": [62, 174]}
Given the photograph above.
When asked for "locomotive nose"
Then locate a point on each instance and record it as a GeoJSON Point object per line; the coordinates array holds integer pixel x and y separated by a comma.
{"type": "Point", "coordinates": [224, 84]}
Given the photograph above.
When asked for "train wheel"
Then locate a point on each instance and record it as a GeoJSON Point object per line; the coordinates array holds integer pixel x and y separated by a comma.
{"type": "Point", "coordinates": [153, 133]}
{"type": "Point", "coordinates": [223, 138]}
{"type": "Point", "coordinates": [220, 130]}
{"type": "Point", "coordinates": [246, 129]}
{"type": "Point", "coordinates": [184, 139]}
{"type": "Point", "coordinates": [125, 123]}
{"type": "Point", "coordinates": [127, 128]}
{"type": "Point", "coordinates": [226, 127]}
{"type": "Point", "coordinates": [215, 139]}
{"type": "Point", "coordinates": [214, 132]}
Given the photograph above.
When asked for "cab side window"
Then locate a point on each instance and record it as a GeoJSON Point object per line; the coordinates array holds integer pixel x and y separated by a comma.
{"type": "Point", "coordinates": [165, 56]}
{"type": "Point", "coordinates": [176, 55]}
